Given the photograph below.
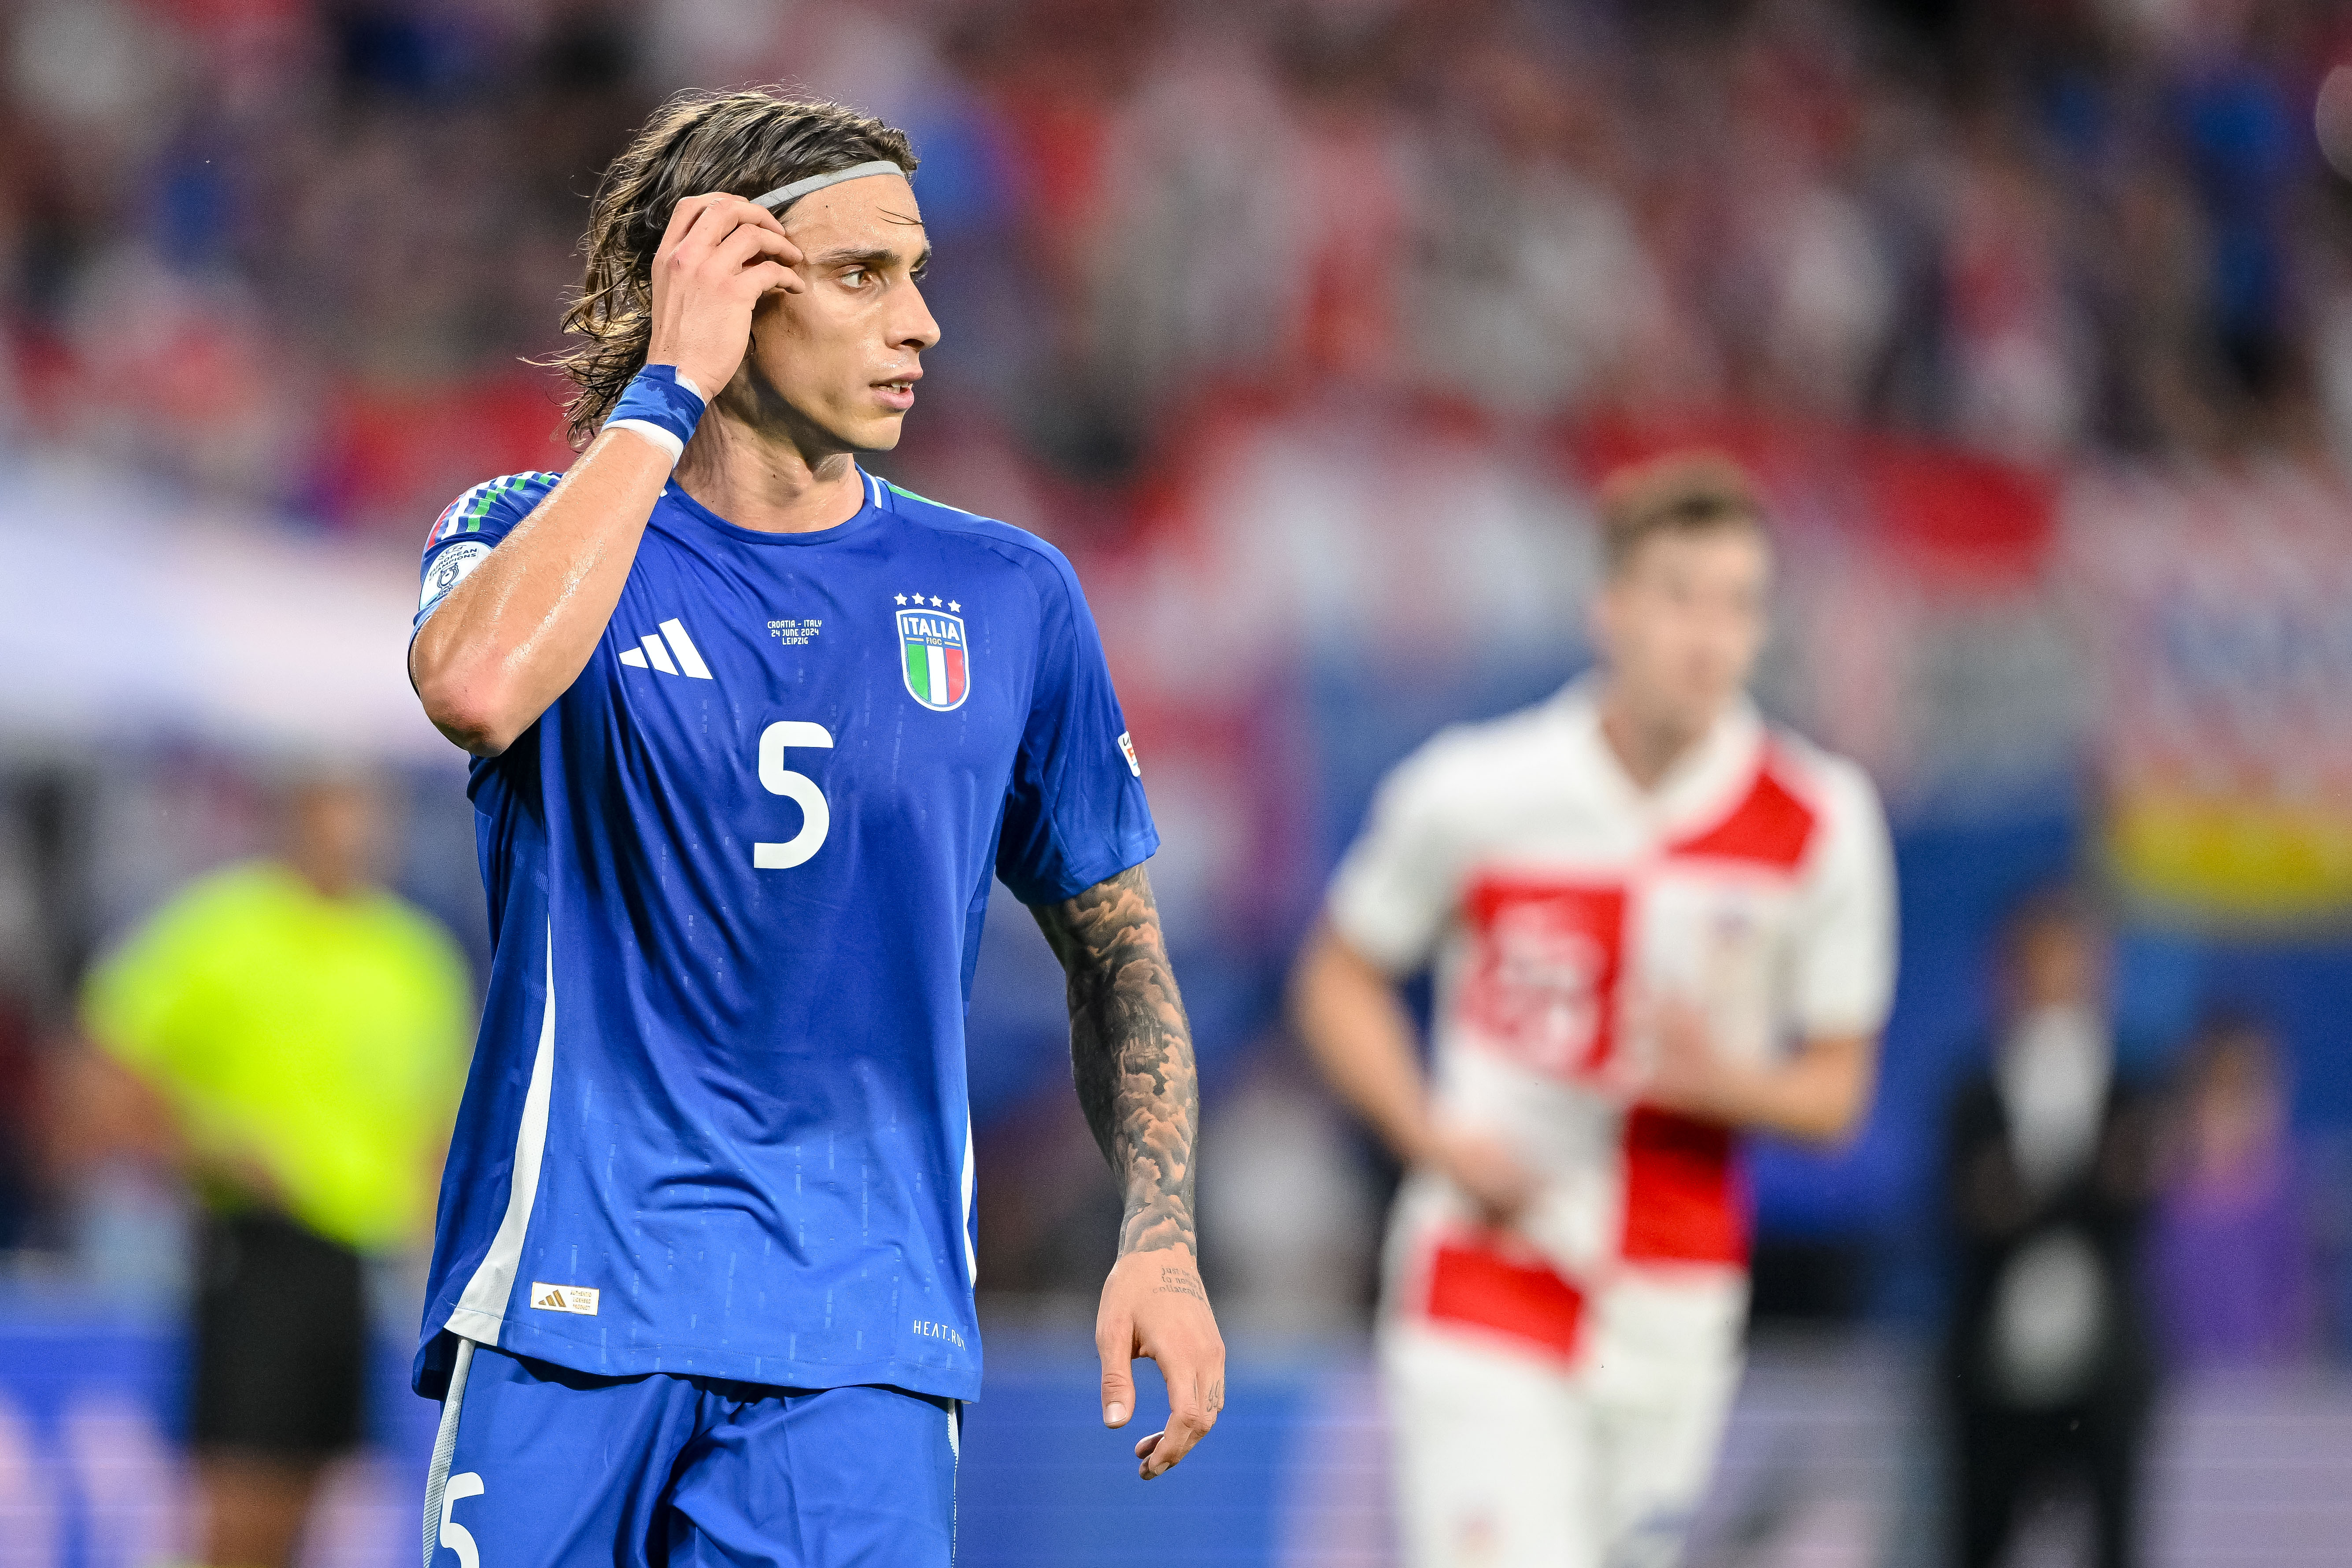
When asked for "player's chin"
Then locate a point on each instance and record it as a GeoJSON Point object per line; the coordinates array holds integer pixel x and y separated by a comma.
{"type": "Point", "coordinates": [876, 430]}
{"type": "Point", "coordinates": [1696, 701]}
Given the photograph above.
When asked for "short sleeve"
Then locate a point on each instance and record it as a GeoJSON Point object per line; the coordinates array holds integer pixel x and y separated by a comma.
{"type": "Point", "coordinates": [469, 529]}
{"type": "Point", "coordinates": [1845, 938]}
{"type": "Point", "coordinates": [1075, 813]}
{"type": "Point", "coordinates": [1398, 884]}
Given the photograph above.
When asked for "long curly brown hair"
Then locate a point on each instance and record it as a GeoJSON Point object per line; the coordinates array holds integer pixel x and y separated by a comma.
{"type": "Point", "coordinates": [745, 142]}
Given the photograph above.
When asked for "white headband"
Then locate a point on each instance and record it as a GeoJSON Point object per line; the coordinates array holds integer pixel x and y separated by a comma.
{"type": "Point", "coordinates": [782, 196]}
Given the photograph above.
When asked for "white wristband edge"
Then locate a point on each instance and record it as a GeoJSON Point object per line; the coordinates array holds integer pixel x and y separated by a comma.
{"type": "Point", "coordinates": [652, 432]}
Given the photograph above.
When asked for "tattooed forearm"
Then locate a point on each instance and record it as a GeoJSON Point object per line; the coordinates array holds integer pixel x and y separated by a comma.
{"type": "Point", "coordinates": [1131, 1052]}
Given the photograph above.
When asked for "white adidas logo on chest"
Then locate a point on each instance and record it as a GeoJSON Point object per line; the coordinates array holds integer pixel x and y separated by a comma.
{"type": "Point", "coordinates": [655, 650]}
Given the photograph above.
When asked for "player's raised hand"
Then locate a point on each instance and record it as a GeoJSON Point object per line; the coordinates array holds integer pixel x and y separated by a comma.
{"type": "Point", "coordinates": [718, 256]}
{"type": "Point", "coordinates": [1819, 1095]}
{"type": "Point", "coordinates": [1686, 1074]}
{"type": "Point", "coordinates": [1153, 1305]}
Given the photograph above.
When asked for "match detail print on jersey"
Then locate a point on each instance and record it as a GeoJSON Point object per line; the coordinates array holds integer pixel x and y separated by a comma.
{"type": "Point", "coordinates": [934, 657]}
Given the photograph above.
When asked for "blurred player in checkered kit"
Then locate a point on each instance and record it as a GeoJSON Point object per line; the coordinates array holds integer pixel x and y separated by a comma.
{"type": "Point", "coordinates": [1655, 923]}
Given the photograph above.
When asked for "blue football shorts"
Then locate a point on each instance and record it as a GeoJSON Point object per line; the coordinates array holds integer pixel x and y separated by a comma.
{"type": "Point", "coordinates": [538, 1466]}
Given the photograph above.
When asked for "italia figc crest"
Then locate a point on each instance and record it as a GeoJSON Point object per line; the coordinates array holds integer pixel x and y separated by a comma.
{"type": "Point", "coordinates": [934, 659]}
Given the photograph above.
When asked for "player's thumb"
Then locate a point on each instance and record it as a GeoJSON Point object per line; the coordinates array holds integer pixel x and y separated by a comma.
{"type": "Point", "coordinates": [1115, 1341]}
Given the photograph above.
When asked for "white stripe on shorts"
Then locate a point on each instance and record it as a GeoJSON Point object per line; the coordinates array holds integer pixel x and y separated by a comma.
{"type": "Point", "coordinates": [444, 1449]}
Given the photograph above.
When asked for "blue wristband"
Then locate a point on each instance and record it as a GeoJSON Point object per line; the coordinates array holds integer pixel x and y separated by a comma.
{"type": "Point", "coordinates": [661, 406]}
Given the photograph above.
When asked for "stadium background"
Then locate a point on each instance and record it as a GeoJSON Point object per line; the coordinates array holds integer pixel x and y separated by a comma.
{"type": "Point", "coordinates": [1306, 330]}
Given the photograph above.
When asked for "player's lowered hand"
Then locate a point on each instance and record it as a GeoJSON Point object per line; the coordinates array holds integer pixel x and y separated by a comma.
{"type": "Point", "coordinates": [1489, 1170]}
{"type": "Point", "coordinates": [1686, 1074]}
{"type": "Point", "coordinates": [1152, 1305]}
{"type": "Point", "coordinates": [720, 255]}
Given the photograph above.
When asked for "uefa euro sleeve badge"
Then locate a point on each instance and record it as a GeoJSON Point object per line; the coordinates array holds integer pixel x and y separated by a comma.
{"type": "Point", "coordinates": [933, 657]}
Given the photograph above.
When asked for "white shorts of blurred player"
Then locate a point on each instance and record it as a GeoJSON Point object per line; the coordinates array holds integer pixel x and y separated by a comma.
{"type": "Point", "coordinates": [1510, 1455]}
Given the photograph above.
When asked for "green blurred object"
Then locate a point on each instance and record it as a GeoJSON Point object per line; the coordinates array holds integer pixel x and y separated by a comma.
{"type": "Point", "coordinates": [321, 1042]}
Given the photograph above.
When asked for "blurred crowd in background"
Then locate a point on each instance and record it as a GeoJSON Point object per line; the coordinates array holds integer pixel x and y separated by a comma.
{"type": "Point", "coordinates": [294, 253]}
{"type": "Point", "coordinates": [1307, 329]}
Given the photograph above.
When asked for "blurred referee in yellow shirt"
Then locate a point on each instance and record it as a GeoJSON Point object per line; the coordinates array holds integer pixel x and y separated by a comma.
{"type": "Point", "coordinates": [298, 1036]}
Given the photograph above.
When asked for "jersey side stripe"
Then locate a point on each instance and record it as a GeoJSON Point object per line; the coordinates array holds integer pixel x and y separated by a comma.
{"type": "Point", "coordinates": [970, 1259]}
{"type": "Point", "coordinates": [480, 1313]}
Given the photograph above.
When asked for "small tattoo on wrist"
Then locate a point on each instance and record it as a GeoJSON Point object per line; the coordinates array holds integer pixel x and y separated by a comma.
{"type": "Point", "coordinates": [1180, 1282]}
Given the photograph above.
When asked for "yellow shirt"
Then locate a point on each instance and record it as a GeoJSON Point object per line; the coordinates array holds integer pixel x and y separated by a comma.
{"type": "Point", "coordinates": [326, 1039]}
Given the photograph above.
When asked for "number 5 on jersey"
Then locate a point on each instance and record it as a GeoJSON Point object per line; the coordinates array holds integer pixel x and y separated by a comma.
{"type": "Point", "coordinates": [816, 817]}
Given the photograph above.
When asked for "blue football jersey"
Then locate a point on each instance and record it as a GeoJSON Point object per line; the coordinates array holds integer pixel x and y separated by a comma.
{"type": "Point", "coordinates": [716, 1122]}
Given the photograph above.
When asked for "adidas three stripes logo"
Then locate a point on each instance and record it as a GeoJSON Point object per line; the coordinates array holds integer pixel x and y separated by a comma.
{"type": "Point", "coordinates": [653, 651]}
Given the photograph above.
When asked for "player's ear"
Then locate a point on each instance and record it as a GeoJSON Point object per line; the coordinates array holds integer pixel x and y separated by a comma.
{"type": "Point", "coordinates": [767, 323]}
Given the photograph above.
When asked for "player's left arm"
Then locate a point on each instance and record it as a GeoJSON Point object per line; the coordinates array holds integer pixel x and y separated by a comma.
{"type": "Point", "coordinates": [1842, 979]}
{"type": "Point", "coordinates": [1818, 1095]}
{"type": "Point", "coordinates": [1132, 1054]}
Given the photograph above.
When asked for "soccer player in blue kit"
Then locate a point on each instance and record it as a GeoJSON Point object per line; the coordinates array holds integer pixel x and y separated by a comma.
{"type": "Point", "coordinates": [754, 732]}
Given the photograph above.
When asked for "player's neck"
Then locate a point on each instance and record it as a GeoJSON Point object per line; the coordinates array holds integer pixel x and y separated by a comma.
{"type": "Point", "coordinates": [1647, 745]}
{"type": "Point", "coordinates": [769, 481]}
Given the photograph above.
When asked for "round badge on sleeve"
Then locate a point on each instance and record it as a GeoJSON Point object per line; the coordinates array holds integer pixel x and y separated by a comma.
{"type": "Point", "coordinates": [448, 569]}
